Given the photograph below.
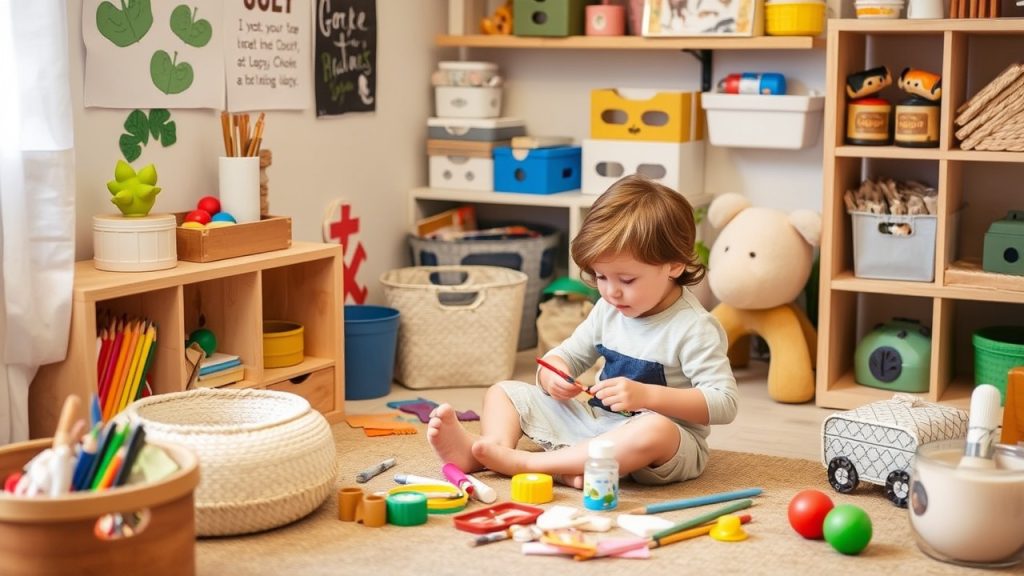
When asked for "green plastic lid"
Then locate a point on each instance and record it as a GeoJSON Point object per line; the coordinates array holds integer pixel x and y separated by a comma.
{"type": "Point", "coordinates": [566, 286]}
{"type": "Point", "coordinates": [407, 508]}
{"type": "Point", "coordinates": [1013, 224]}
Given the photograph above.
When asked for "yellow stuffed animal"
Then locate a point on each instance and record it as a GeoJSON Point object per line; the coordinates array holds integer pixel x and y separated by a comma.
{"type": "Point", "coordinates": [758, 266]}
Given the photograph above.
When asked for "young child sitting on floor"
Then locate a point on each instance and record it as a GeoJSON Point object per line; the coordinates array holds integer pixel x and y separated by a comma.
{"type": "Point", "coordinates": [665, 358]}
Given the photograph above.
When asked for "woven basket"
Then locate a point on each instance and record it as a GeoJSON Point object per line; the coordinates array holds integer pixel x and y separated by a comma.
{"type": "Point", "coordinates": [265, 458]}
{"type": "Point", "coordinates": [459, 324]}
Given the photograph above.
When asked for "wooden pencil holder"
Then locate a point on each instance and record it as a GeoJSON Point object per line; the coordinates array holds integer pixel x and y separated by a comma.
{"type": "Point", "coordinates": [42, 536]}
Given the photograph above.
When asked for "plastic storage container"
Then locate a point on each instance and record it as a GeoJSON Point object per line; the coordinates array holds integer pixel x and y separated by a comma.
{"type": "Point", "coordinates": [890, 247]}
{"type": "Point", "coordinates": [537, 171]}
{"type": "Point", "coordinates": [485, 129]}
{"type": "Point", "coordinates": [533, 256]}
{"type": "Point", "coordinates": [794, 17]}
{"type": "Point", "coordinates": [997, 349]}
{"type": "Point", "coordinates": [757, 121]}
{"type": "Point", "coordinates": [467, 101]}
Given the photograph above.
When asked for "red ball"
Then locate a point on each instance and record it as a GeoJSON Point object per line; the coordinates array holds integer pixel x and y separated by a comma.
{"type": "Point", "coordinates": [201, 216]}
{"type": "Point", "coordinates": [807, 511]}
{"type": "Point", "coordinates": [209, 203]}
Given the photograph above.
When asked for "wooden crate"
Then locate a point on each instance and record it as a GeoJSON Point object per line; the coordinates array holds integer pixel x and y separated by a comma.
{"type": "Point", "coordinates": [209, 244]}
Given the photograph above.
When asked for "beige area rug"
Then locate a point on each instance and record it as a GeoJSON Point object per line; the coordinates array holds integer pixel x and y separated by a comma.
{"type": "Point", "coordinates": [321, 544]}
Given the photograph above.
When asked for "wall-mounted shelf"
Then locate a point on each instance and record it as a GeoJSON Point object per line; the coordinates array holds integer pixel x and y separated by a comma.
{"type": "Point", "coordinates": [631, 42]}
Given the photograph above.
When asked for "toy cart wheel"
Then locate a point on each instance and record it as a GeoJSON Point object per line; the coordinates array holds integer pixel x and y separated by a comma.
{"type": "Point", "coordinates": [842, 475]}
{"type": "Point", "coordinates": [897, 487]}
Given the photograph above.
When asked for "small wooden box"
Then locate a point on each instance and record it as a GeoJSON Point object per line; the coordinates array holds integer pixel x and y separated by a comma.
{"type": "Point", "coordinates": [209, 244]}
{"type": "Point", "coordinates": [55, 536]}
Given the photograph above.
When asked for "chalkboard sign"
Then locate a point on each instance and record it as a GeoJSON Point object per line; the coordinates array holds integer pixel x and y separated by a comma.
{"type": "Point", "coordinates": [344, 69]}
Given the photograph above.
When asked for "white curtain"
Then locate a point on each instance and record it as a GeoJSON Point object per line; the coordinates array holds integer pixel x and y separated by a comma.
{"type": "Point", "coordinates": [37, 193]}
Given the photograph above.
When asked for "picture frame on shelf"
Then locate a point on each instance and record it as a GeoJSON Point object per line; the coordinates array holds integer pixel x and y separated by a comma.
{"type": "Point", "coordinates": [681, 18]}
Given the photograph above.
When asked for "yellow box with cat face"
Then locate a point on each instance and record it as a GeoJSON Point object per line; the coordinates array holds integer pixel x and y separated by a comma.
{"type": "Point", "coordinates": [648, 115]}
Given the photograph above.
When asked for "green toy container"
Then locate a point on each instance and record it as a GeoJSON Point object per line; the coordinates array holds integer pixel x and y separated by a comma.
{"type": "Point", "coordinates": [1004, 245]}
{"type": "Point", "coordinates": [997, 349]}
{"type": "Point", "coordinates": [548, 17]}
{"type": "Point", "coordinates": [895, 356]}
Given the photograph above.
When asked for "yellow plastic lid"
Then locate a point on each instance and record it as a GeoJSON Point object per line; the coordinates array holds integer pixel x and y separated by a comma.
{"type": "Point", "coordinates": [532, 488]}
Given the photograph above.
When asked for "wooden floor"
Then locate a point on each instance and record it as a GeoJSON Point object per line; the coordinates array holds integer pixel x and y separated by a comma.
{"type": "Point", "coordinates": [763, 426]}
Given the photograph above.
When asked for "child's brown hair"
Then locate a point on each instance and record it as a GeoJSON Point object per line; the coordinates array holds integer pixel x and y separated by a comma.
{"type": "Point", "coordinates": [645, 219]}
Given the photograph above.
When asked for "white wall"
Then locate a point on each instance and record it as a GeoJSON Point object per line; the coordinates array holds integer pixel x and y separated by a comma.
{"type": "Point", "coordinates": [371, 160]}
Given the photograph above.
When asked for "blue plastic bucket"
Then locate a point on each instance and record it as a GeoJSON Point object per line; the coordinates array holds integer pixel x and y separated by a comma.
{"type": "Point", "coordinates": [371, 335]}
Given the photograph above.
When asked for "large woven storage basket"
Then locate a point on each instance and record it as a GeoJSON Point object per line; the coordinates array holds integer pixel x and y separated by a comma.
{"type": "Point", "coordinates": [266, 458]}
{"type": "Point", "coordinates": [459, 324]}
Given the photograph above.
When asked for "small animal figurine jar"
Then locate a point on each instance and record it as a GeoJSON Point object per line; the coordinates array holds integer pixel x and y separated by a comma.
{"type": "Point", "coordinates": [868, 117]}
{"type": "Point", "coordinates": [917, 117]}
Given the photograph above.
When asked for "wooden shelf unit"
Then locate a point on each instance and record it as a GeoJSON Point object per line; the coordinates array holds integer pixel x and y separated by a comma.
{"type": "Point", "coordinates": [960, 296]}
{"type": "Point", "coordinates": [232, 297]}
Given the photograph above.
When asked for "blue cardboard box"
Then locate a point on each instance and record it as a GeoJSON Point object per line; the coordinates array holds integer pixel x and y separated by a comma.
{"type": "Point", "coordinates": [538, 170]}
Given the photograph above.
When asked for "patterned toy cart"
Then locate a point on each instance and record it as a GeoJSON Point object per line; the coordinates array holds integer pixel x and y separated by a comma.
{"type": "Point", "coordinates": [876, 442]}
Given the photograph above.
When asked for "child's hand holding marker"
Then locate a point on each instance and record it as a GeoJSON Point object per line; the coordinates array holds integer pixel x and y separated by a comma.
{"type": "Point", "coordinates": [565, 387]}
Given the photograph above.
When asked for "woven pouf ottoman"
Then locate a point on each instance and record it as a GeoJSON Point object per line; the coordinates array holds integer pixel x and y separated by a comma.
{"type": "Point", "coordinates": [265, 458]}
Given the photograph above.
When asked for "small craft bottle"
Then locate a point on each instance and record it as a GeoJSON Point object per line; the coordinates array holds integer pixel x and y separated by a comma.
{"type": "Point", "coordinates": [601, 477]}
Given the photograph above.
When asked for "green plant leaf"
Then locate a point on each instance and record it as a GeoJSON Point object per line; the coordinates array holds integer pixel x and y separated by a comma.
{"type": "Point", "coordinates": [168, 134]}
{"type": "Point", "coordinates": [124, 27]}
{"type": "Point", "coordinates": [130, 147]}
{"type": "Point", "coordinates": [157, 118]}
{"type": "Point", "coordinates": [703, 252]}
{"type": "Point", "coordinates": [191, 31]}
{"type": "Point", "coordinates": [168, 76]}
{"type": "Point", "coordinates": [137, 125]}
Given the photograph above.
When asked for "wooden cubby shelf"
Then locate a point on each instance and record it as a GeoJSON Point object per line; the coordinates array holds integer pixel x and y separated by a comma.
{"type": "Point", "coordinates": [232, 298]}
{"type": "Point", "coordinates": [630, 42]}
{"type": "Point", "coordinates": [972, 192]}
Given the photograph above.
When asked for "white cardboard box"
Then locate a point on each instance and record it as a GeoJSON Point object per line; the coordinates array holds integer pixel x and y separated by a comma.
{"type": "Point", "coordinates": [462, 172]}
{"type": "Point", "coordinates": [763, 121]}
{"type": "Point", "coordinates": [678, 165]}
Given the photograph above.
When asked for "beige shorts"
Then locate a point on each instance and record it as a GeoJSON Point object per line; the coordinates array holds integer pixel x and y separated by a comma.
{"type": "Point", "coordinates": [555, 424]}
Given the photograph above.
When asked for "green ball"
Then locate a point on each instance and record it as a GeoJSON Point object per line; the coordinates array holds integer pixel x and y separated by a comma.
{"type": "Point", "coordinates": [205, 338]}
{"type": "Point", "coordinates": [848, 529]}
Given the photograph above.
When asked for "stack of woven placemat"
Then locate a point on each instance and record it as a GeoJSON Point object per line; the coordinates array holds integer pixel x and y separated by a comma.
{"type": "Point", "coordinates": [994, 118]}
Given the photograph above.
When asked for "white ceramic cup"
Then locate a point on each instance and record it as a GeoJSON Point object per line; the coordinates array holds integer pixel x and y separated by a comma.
{"type": "Point", "coordinates": [240, 187]}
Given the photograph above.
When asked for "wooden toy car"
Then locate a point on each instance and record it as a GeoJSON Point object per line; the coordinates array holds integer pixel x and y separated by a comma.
{"type": "Point", "coordinates": [876, 442]}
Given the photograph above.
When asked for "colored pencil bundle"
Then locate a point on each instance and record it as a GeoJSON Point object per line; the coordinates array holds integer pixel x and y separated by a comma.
{"type": "Point", "coordinates": [126, 349]}
{"type": "Point", "coordinates": [239, 140]}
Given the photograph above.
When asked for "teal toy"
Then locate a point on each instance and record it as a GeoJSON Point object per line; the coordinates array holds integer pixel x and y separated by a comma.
{"type": "Point", "coordinates": [1003, 251]}
{"type": "Point", "coordinates": [134, 193]}
{"type": "Point", "coordinates": [205, 338]}
{"type": "Point", "coordinates": [895, 356]}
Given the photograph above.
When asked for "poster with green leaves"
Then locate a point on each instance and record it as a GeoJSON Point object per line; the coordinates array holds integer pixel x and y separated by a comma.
{"type": "Point", "coordinates": [153, 54]}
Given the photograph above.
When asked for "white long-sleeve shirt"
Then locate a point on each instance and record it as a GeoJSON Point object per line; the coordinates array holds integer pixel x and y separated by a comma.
{"type": "Point", "coordinates": [682, 346]}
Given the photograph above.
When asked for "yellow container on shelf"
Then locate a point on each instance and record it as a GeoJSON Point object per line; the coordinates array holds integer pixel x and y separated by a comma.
{"type": "Point", "coordinates": [794, 17]}
{"type": "Point", "coordinates": [282, 343]}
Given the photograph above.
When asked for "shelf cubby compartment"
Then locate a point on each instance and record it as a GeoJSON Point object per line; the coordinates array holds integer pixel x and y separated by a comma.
{"type": "Point", "coordinates": [225, 307]}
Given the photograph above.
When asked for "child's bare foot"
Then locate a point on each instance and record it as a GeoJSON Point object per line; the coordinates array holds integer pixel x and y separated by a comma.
{"type": "Point", "coordinates": [507, 461]}
{"type": "Point", "coordinates": [450, 440]}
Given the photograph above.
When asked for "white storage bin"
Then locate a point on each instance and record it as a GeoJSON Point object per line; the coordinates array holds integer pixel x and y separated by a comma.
{"type": "Point", "coordinates": [678, 165]}
{"type": "Point", "coordinates": [467, 101]}
{"type": "Point", "coordinates": [475, 129]}
{"type": "Point", "coordinates": [462, 172]}
{"type": "Point", "coordinates": [134, 243]}
{"type": "Point", "coordinates": [757, 121]}
{"type": "Point", "coordinates": [889, 247]}
{"type": "Point", "coordinates": [466, 73]}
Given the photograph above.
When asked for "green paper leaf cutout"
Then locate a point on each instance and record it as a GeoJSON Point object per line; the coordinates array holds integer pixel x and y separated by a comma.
{"type": "Point", "coordinates": [126, 26]}
{"type": "Point", "coordinates": [157, 118]}
{"type": "Point", "coordinates": [168, 76]}
{"type": "Point", "coordinates": [168, 134]}
{"type": "Point", "coordinates": [130, 147]}
{"type": "Point", "coordinates": [192, 32]}
{"type": "Point", "coordinates": [137, 125]}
